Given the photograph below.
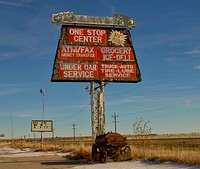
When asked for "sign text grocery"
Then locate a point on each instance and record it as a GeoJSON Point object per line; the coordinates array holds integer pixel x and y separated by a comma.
{"type": "Point", "coordinates": [95, 54]}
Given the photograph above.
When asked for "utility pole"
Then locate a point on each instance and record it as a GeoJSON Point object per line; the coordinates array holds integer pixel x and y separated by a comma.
{"type": "Point", "coordinates": [42, 91]}
{"type": "Point", "coordinates": [115, 121]}
{"type": "Point", "coordinates": [53, 133]}
{"type": "Point", "coordinates": [12, 125]}
{"type": "Point", "coordinates": [74, 129]}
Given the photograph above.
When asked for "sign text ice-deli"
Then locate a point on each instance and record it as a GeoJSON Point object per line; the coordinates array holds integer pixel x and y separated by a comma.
{"type": "Point", "coordinates": [116, 54]}
{"type": "Point", "coordinates": [78, 70]}
{"type": "Point", "coordinates": [117, 71]}
{"type": "Point", "coordinates": [87, 35]}
{"type": "Point", "coordinates": [68, 52]}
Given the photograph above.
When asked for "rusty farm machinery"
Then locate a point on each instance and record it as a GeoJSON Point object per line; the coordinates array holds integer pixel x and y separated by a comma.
{"type": "Point", "coordinates": [112, 146]}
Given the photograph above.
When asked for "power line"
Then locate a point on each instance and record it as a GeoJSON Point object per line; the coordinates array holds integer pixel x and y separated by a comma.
{"type": "Point", "coordinates": [69, 117]}
{"type": "Point", "coordinates": [73, 114]}
{"type": "Point", "coordinates": [115, 121]}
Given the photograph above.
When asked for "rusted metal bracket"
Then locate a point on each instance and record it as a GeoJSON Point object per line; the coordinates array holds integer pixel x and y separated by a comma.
{"type": "Point", "coordinates": [71, 18]}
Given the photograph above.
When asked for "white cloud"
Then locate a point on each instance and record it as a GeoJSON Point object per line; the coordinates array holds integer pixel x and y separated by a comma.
{"type": "Point", "coordinates": [10, 89]}
{"type": "Point", "coordinates": [11, 3]}
{"type": "Point", "coordinates": [192, 52]}
{"type": "Point", "coordinates": [197, 67]}
{"type": "Point", "coordinates": [22, 3]}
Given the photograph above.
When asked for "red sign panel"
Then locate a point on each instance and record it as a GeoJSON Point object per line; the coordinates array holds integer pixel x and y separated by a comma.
{"type": "Point", "coordinates": [68, 52]}
{"type": "Point", "coordinates": [116, 54]}
{"type": "Point", "coordinates": [117, 71]}
{"type": "Point", "coordinates": [93, 71]}
{"type": "Point", "coordinates": [95, 54]}
{"type": "Point", "coordinates": [78, 53]}
{"type": "Point", "coordinates": [78, 70]}
{"type": "Point", "coordinates": [87, 35]}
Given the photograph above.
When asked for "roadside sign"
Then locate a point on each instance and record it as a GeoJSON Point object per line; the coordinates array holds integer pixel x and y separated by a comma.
{"type": "Point", "coordinates": [41, 125]}
{"type": "Point", "coordinates": [95, 49]}
{"type": "Point", "coordinates": [86, 54]}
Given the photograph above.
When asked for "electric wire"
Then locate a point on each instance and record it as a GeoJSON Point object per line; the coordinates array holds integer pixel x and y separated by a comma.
{"type": "Point", "coordinates": [73, 114]}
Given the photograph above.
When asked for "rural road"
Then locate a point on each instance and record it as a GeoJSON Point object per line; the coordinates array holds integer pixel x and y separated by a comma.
{"type": "Point", "coordinates": [43, 162]}
{"type": "Point", "coordinates": [17, 159]}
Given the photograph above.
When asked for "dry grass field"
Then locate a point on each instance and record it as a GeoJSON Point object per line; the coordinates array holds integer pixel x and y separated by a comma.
{"type": "Point", "coordinates": [183, 149]}
{"type": "Point", "coordinates": [179, 151]}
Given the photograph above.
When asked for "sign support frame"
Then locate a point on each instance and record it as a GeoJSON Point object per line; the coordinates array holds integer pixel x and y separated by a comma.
{"type": "Point", "coordinates": [97, 109]}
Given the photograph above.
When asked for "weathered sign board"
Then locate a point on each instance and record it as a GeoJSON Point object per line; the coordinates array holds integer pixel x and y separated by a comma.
{"type": "Point", "coordinates": [97, 54]}
{"type": "Point", "coordinates": [41, 125]}
{"type": "Point", "coordinates": [72, 18]}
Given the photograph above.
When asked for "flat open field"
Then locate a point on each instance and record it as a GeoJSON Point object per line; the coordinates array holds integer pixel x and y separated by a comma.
{"type": "Point", "coordinates": [182, 149]}
{"type": "Point", "coordinates": [11, 158]}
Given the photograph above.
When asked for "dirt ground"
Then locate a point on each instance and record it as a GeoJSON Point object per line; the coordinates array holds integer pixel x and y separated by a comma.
{"type": "Point", "coordinates": [42, 162]}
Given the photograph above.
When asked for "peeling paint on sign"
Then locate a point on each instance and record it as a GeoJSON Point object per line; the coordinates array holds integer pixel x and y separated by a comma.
{"type": "Point", "coordinates": [97, 54]}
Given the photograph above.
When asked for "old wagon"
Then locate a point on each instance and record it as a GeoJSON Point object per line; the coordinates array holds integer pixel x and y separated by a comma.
{"type": "Point", "coordinates": [112, 146]}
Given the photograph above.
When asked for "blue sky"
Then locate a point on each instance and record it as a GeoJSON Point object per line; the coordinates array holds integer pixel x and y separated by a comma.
{"type": "Point", "coordinates": [167, 44]}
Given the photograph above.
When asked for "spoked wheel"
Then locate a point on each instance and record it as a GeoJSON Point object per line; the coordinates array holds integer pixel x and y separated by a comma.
{"type": "Point", "coordinates": [102, 155]}
{"type": "Point", "coordinates": [127, 153]}
{"type": "Point", "coordinates": [114, 154]}
{"type": "Point", "coordinates": [94, 153]}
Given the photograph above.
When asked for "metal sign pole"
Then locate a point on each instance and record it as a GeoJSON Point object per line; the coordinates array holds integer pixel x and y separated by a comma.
{"type": "Point", "coordinates": [97, 109]}
{"type": "Point", "coordinates": [94, 121]}
{"type": "Point", "coordinates": [101, 110]}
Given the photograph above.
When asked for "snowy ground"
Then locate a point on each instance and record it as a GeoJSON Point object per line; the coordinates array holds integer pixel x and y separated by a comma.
{"type": "Point", "coordinates": [136, 165]}
{"type": "Point", "coordinates": [10, 152]}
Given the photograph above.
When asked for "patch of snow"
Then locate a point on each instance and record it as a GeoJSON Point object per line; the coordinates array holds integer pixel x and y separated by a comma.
{"type": "Point", "coordinates": [136, 165]}
{"type": "Point", "coordinates": [11, 152]}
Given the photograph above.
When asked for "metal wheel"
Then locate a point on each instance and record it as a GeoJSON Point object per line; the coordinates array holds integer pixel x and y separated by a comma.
{"type": "Point", "coordinates": [94, 153]}
{"type": "Point", "coordinates": [102, 155]}
{"type": "Point", "coordinates": [115, 154]}
{"type": "Point", "coordinates": [127, 153]}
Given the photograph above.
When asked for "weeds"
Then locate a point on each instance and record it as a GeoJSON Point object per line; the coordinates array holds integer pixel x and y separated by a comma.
{"type": "Point", "coordinates": [168, 151]}
{"type": "Point", "coordinates": [178, 150]}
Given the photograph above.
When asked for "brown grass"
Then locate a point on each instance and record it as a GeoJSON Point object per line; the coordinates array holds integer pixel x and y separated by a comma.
{"type": "Point", "coordinates": [186, 152]}
{"type": "Point", "coordinates": [174, 150]}
{"type": "Point", "coordinates": [191, 157]}
{"type": "Point", "coordinates": [78, 149]}
{"type": "Point", "coordinates": [3, 144]}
